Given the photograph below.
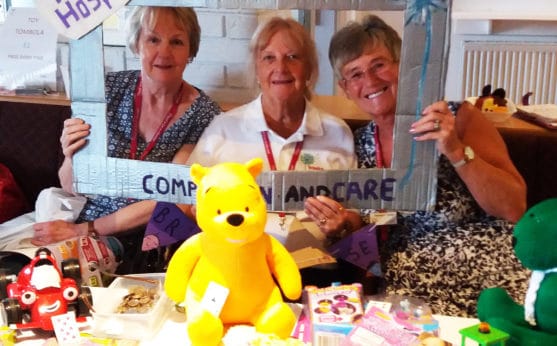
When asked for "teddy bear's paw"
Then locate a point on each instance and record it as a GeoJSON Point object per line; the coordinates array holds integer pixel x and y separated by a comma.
{"type": "Point", "coordinates": [496, 302]}
{"type": "Point", "coordinates": [278, 320]}
{"type": "Point", "coordinates": [205, 329]}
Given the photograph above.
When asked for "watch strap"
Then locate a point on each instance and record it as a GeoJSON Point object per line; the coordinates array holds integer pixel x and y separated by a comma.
{"type": "Point", "coordinates": [468, 156]}
{"type": "Point", "coordinates": [459, 163]}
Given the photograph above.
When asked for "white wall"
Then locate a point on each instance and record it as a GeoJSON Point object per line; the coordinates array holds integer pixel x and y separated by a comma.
{"type": "Point", "coordinates": [505, 9]}
{"type": "Point", "coordinates": [221, 67]}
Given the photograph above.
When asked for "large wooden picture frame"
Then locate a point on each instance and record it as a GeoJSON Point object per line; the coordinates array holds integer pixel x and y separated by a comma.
{"type": "Point", "coordinates": [409, 185]}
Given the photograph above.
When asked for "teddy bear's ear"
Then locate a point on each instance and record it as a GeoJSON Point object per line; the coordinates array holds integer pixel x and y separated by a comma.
{"type": "Point", "coordinates": [197, 172]}
{"type": "Point", "coordinates": [254, 166]}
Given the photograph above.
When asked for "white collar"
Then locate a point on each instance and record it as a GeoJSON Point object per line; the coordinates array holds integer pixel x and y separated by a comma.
{"type": "Point", "coordinates": [532, 294]}
{"type": "Point", "coordinates": [311, 123]}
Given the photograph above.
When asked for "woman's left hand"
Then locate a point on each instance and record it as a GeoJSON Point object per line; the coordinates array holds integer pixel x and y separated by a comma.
{"type": "Point", "coordinates": [54, 231]}
{"type": "Point", "coordinates": [438, 123]}
{"type": "Point", "coordinates": [327, 213]}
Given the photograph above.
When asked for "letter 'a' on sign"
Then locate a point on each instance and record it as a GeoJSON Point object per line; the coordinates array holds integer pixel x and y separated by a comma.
{"type": "Point", "coordinates": [410, 184]}
{"type": "Point", "coordinates": [75, 18]}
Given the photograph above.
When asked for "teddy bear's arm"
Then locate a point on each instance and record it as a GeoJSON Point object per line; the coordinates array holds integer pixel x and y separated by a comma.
{"type": "Point", "coordinates": [180, 268]}
{"type": "Point", "coordinates": [285, 270]}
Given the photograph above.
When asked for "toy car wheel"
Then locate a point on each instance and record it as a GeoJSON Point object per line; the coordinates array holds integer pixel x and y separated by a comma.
{"type": "Point", "coordinates": [11, 311]}
{"type": "Point", "coordinates": [83, 303]}
{"type": "Point", "coordinates": [4, 281]}
{"type": "Point", "coordinates": [71, 269]}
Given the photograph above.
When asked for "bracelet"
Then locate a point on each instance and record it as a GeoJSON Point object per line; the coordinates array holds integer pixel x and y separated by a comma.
{"type": "Point", "coordinates": [91, 231]}
{"type": "Point", "coordinates": [338, 236]}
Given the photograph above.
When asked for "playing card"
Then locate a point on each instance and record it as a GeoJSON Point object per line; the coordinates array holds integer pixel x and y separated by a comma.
{"type": "Point", "coordinates": [66, 329]}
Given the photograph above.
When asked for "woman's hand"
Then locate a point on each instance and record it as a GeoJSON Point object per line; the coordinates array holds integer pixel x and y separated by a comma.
{"type": "Point", "coordinates": [54, 231]}
{"type": "Point", "coordinates": [438, 123]}
{"type": "Point", "coordinates": [73, 136]}
{"type": "Point", "coordinates": [490, 177]}
{"type": "Point", "coordinates": [329, 215]}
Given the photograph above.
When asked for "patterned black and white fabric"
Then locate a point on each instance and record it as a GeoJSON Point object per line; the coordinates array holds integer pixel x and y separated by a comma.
{"type": "Point", "coordinates": [449, 255]}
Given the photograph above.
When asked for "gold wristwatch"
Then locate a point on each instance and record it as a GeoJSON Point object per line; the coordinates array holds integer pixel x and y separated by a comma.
{"type": "Point", "coordinates": [468, 156]}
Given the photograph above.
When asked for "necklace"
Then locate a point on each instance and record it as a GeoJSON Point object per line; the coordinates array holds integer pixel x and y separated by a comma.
{"type": "Point", "coordinates": [273, 166]}
{"type": "Point", "coordinates": [138, 99]}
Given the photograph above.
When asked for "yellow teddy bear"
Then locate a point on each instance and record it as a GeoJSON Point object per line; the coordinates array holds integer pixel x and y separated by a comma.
{"type": "Point", "coordinates": [232, 254]}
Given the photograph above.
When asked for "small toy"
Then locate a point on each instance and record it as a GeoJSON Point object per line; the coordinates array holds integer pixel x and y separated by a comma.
{"type": "Point", "coordinates": [478, 333]}
{"type": "Point", "coordinates": [41, 290]}
{"type": "Point", "coordinates": [226, 274]}
{"type": "Point", "coordinates": [484, 328]}
{"type": "Point", "coordinates": [492, 101]}
{"type": "Point", "coordinates": [413, 313]}
{"type": "Point", "coordinates": [535, 322]}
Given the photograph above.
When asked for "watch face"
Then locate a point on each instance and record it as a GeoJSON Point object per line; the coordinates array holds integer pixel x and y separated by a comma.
{"type": "Point", "coordinates": [468, 153]}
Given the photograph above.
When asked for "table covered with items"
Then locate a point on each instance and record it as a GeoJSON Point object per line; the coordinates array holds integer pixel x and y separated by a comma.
{"type": "Point", "coordinates": [136, 311]}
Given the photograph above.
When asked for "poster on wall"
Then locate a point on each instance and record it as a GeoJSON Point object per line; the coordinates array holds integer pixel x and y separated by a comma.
{"type": "Point", "coordinates": [75, 18]}
{"type": "Point", "coordinates": [28, 55]}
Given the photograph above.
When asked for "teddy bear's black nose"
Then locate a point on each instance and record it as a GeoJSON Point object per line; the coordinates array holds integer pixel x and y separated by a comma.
{"type": "Point", "coordinates": [235, 219]}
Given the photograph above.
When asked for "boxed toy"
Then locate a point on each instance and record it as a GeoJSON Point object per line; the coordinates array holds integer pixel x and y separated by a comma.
{"type": "Point", "coordinates": [332, 311]}
{"type": "Point", "coordinates": [378, 327]}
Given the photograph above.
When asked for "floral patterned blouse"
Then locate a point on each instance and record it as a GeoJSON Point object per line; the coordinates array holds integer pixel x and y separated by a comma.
{"type": "Point", "coordinates": [120, 89]}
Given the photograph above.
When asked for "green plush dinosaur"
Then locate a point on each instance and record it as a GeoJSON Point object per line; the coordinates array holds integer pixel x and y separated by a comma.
{"type": "Point", "coordinates": [535, 321]}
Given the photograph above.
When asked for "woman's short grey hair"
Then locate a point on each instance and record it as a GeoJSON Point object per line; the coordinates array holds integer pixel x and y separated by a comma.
{"type": "Point", "coordinates": [350, 42]}
{"type": "Point", "coordinates": [298, 33]}
{"type": "Point", "coordinates": [186, 18]}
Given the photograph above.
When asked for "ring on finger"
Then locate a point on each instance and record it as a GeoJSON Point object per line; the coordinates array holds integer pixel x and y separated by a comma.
{"type": "Point", "coordinates": [436, 125]}
{"type": "Point", "coordinates": [323, 221]}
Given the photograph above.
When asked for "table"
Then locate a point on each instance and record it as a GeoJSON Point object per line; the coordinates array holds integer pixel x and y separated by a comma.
{"type": "Point", "coordinates": [174, 329]}
{"type": "Point", "coordinates": [57, 99]}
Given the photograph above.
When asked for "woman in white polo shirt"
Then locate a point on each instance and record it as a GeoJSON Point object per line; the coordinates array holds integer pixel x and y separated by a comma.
{"type": "Point", "coordinates": [281, 125]}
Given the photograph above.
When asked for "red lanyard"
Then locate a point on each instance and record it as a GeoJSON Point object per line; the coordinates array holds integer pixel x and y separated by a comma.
{"type": "Point", "coordinates": [138, 98]}
{"type": "Point", "coordinates": [271, 158]}
{"type": "Point", "coordinates": [383, 229]}
{"type": "Point", "coordinates": [378, 153]}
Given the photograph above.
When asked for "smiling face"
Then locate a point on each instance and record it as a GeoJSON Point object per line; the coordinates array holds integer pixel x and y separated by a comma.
{"type": "Point", "coordinates": [164, 48]}
{"type": "Point", "coordinates": [371, 81]}
{"type": "Point", "coordinates": [281, 68]}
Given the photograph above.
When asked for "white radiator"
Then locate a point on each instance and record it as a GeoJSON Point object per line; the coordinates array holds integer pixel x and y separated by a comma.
{"type": "Point", "coordinates": [519, 68]}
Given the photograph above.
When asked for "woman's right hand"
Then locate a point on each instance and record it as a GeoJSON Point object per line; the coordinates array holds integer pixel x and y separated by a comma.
{"type": "Point", "coordinates": [54, 231]}
{"type": "Point", "coordinates": [73, 136]}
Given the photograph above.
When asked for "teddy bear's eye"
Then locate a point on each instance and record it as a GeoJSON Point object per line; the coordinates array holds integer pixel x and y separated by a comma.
{"type": "Point", "coordinates": [218, 212]}
{"type": "Point", "coordinates": [247, 209]}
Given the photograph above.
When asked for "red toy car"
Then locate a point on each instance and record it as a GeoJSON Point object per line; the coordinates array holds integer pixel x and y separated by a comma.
{"type": "Point", "coordinates": [41, 290]}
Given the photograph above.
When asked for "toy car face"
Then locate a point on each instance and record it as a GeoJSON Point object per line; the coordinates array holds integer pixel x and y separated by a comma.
{"type": "Point", "coordinates": [47, 303]}
{"type": "Point", "coordinates": [42, 291]}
